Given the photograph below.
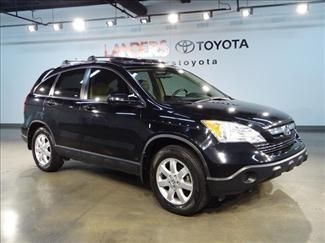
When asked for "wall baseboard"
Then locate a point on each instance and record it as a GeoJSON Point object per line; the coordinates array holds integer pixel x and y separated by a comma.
{"type": "Point", "coordinates": [299, 128]}
{"type": "Point", "coordinates": [10, 125]}
{"type": "Point", "coordinates": [311, 128]}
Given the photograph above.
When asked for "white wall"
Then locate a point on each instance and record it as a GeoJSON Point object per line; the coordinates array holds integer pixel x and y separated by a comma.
{"type": "Point", "coordinates": [283, 66]}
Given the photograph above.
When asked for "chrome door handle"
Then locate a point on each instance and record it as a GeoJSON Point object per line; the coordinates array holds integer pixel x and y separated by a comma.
{"type": "Point", "coordinates": [89, 107]}
{"type": "Point", "coordinates": [51, 103]}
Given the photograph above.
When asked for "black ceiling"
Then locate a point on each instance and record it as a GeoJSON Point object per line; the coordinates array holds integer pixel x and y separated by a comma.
{"type": "Point", "coordinates": [133, 6]}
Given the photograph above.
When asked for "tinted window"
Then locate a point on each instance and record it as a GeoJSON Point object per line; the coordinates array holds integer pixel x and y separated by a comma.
{"type": "Point", "coordinates": [103, 83]}
{"type": "Point", "coordinates": [173, 82]}
{"type": "Point", "coordinates": [45, 87]}
{"type": "Point", "coordinates": [69, 84]}
{"type": "Point", "coordinates": [145, 81]}
{"type": "Point", "coordinates": [174, 85]}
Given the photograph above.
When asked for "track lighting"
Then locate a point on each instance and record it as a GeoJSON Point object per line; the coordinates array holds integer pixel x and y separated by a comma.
{"type": "Point", "coordinates": [32, 28]}
{"type": "Point", "coordinates": [302, 8]}
{"type": "Point", "coordinates": [111, 22]}
{"type": "Point", "coordinates": [207, 15]}
{"type": "Point", "coordinates": [57, 26]}
{"type": "Point", "coordinates": [245, 12]}
{"type": "Point", "coordinates": [79, 24]}
{"type": "Point", "coordinates": [173, 18]}
{"type": "Point", "coordinates": [145, 20]}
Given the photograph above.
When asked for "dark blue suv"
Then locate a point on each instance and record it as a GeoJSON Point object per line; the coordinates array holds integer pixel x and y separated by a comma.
{"type": "Point", "coordinates": [177, 132]}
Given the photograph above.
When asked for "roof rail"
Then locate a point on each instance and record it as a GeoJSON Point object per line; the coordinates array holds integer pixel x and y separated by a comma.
{"type": "Point", "coordinates": [71, 62]}
{"type": "Point", "coordinates": [126, 60]}
{"type": "Point", "coordinates": [112, 59]}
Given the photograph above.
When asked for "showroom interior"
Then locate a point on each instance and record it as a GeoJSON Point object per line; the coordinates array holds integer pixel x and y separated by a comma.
{"type": "Point", "coordinates": [269, 52]}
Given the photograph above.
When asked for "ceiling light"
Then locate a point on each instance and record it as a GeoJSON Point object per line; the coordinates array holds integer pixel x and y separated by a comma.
{"type": "Point", "coordinates": [207, 15]}
{"type": "Point", "coordinates": [173, 18]}
{"type": "Point", "coordinates": [32, 28]}
{"type": "Point", "coordinates": [57, 26]}
{"type": "Point", "coordinates": [145, 20]}
{"type": "Point", "coordinates": [245, 12]}
{"type": "Point", "coordinates": [111, 22]}
{"type": "Point", "coordinates": [79, 24]}
{"type": "Point", "coordinates": [302, 8]}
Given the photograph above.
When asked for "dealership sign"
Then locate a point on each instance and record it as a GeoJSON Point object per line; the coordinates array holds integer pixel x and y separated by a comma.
{"type": "Point", "coordinates": [140, 49]}
{"type": "Point", "coordinates": [188, 46]}
{"type": "Point", "coordinates": [161, 49]}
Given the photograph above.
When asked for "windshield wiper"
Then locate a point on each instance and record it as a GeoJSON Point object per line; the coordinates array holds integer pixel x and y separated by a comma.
{"type": "Point", "coordinates": [212, 98]}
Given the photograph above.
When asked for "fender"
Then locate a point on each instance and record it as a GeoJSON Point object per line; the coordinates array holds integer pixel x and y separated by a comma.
{"type": "Point", "coordinates": [179, 138]}
{"type": "Point", "coordinates": [43, 123]}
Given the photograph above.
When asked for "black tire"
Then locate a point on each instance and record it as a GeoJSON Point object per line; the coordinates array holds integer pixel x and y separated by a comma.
{"type": "Point", "coordinates": [199, 195]}
{"type": "Point", "coordinates": [55, 161]}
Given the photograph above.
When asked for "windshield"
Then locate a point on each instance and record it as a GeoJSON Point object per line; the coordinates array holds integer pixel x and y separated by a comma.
{"type": "Point", "coordinates": [171, 85]}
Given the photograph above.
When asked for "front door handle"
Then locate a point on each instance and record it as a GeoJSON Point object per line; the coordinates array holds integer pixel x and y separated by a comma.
{"type": "Point", "coordinates": [51, 103]}
{"type": "Point", "coordinates": [89, 107]}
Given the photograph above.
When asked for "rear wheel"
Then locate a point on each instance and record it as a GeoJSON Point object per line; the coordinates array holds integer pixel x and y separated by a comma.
{"type": "Point", "coordinates": [178, 180]}
{"type": "Point", "coordinates": [44, 153]}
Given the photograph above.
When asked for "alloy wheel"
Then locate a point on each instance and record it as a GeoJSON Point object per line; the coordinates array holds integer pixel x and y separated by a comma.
{"type": "Point", "coordinates": [174, 181]}
{"type": "Point", "coordinates": [42, 149]}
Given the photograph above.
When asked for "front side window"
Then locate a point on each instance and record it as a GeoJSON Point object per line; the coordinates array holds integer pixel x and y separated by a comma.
{"type": "Point", "coordinates": [45, 87]}
{"type": "Point", "coordinates": [103, 82]}
{"type": "Point", "coordinates": [69, 84]}
{"type": "Point", "coordinates": [170, 85]}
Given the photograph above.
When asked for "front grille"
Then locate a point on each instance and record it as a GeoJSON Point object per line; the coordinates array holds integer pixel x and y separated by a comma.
{"type": "Point", "coordinates": [270, 148]}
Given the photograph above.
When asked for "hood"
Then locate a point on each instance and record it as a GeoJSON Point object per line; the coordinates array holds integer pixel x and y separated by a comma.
{"type": "Point", "coordinates": [235, 110]}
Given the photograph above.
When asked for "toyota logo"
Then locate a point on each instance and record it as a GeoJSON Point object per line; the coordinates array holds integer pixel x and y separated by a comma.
{"type": "Point", "coordinates": [185, 46]}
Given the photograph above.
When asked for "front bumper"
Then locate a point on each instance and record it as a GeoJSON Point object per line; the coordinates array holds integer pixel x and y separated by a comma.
{"type": "Point", "coordinates": [250, 175]}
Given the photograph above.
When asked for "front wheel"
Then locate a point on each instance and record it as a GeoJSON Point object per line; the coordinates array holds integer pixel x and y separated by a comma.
{"type": "Point", "coordinates": [178, 181]}
{"type": "Point", "coordinates": [44, 153]}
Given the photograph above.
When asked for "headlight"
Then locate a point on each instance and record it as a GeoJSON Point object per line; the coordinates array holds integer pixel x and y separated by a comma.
{"type": "Point", "coordinates": [227, 132]}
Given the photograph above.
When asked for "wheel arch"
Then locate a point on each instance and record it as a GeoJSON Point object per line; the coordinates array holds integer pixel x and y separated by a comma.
{"type": "Point", "coordinates": [32, 129]}
{"type": "Point", "coordinates": [157, 142]}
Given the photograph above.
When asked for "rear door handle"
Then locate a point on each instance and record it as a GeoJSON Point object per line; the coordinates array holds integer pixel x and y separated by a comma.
{"type": "Point", "coordinates": [51, 103]}
{"type": "Point", "coordinates": [89, 107]}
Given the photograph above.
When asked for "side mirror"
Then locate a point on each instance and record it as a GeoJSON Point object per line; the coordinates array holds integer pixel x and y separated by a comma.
{"type": "Point", "coordinates": [124, 99]}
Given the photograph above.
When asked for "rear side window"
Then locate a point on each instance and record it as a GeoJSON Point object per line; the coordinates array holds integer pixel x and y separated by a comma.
{"type": "Point", "coordinates": [103, 83]}
{"type": "Point", "coordinates": [69, 84]}
{"type": "Point", "coordinates": [45, 87]}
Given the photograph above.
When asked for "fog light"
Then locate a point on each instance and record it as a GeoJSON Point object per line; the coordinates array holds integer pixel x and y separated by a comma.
{"type": "Point", "coordinates": [249, 178]}
{"type": "Point", "coordinates": [291, 164]}
{"type": "Point", "coordinates": [276, 168]}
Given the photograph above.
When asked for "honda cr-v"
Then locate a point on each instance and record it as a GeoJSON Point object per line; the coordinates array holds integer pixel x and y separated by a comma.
{"type": "Point", "coordinates": [180, 134]}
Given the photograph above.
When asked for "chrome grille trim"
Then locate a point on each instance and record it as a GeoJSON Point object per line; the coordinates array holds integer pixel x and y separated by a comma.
{"type": "Point", "coordinates": [282, 129]}
{"type": "Point", "coordinates": [270, 148]}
